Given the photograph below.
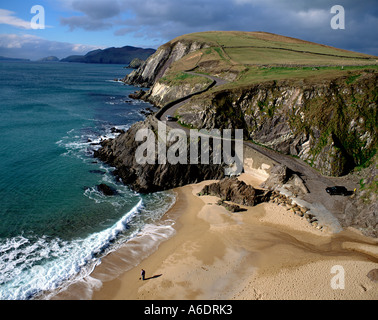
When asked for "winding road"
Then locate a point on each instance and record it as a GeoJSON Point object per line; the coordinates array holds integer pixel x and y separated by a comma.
{"type": "Point", "coordinates": [172, 109]}
{"type": "Point", "coordinates": [331, 207]}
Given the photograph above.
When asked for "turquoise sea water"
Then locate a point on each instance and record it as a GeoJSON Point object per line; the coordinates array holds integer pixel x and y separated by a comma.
{"type": "Point", "coordinates": [54, 224]}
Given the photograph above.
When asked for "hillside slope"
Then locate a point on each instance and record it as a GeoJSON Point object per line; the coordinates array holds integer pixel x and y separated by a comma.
{"type": "Point", "coordinates": [233, 54]}
{"type": "Point", "coordinates": [122, 55]}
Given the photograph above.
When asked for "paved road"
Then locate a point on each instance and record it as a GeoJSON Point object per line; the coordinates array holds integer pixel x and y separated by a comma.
{"type": "Point", "coordinates": [315, 182]}
{"type": "Point", "coordinates": [171, 111]}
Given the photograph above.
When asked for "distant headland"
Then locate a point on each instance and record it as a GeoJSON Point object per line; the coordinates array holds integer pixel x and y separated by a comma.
{"type": "Point", "coordinates": [124, 55]}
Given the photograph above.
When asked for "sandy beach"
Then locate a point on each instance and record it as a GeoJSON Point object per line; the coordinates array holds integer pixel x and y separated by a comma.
{"type": "Point", "coordinates": [265, 253]}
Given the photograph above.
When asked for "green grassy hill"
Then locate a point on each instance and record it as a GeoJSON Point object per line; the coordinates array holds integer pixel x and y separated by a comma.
{"type": "Point", "coordinates": [251, 57]}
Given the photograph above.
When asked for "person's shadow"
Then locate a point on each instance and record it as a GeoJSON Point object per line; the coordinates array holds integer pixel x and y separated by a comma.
{"type": "Point", "coordinates": [153, 277]}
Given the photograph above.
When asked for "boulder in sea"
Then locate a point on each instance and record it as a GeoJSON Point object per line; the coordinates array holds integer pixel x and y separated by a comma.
{"type": "Point", "coordinates": [137, 95]}
{"type": "Point", "coordinates": [106, 190]}
{"type": "Point", "coordinates": [116, 130]}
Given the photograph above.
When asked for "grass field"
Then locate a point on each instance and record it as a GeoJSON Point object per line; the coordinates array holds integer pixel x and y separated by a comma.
{"type": "Point", "coordinates": [249, 57]}
{"type": "Point", "coordinates": [260, 74]}
{"type": "Point", "coordinates": [231, 39]}
{"type": "Point", "coordinates": [177, 78]}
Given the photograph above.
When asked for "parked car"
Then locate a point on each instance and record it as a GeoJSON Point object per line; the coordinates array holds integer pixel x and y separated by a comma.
{"type": "Point", "coordinates": [169, 118]}
{"type": "Point", "coordinates": [337, 190]}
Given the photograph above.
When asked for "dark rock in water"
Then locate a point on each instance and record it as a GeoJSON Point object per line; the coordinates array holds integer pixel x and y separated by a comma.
{"type": "Point", "coordinates": [115, 130]}
{"type": "Point", "coordinates": [106, 190]}
{"type": "Point", "coordinates": [97, 171]}
{"type": "Point", "coordinates": [373, 275]}
{"type": "Point", "coordinates": [147, 112]}
{"type": "Point", "coordinates": [137, 95]}
{"type": "Point", "coordinates": [231, 189]}
{"type": "Point", "coordinates": [49, 59]}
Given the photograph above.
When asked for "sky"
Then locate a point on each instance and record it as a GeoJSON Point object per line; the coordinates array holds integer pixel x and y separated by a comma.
{"type": "Point", "coordinates": [78, 26]}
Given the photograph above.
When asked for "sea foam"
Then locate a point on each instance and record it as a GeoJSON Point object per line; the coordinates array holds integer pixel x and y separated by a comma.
{"type": "Point", "coordinates": [31, 266]}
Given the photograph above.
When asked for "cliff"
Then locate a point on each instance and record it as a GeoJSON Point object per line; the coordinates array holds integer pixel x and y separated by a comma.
{"type": "Point", "coordinates": [158, 64]}
{"type": "Point", "coordinates": [325, 115]}
{"type": "Point", "coordinates": [145, 178]}
{"type": "Point", "coordinates": [331, 124]}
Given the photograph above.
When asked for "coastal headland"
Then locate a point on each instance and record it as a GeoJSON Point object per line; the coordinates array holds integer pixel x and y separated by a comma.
{"type": "Point", "coordinates": [308, 113]}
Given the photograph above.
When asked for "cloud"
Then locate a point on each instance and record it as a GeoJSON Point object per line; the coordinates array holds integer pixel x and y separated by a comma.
{"type": "Point", "coordinates": [32, 47]}
{"type": "Point", "coordinates": [95, 14]}
{"type": "Point", "coordinates": [86, 23]}
{"type": "Point", "coordinates": [97, 9]}
{"type": "Point", "coordinates": [7, 17]}
{"type": "Point", "coordinates": [167, 19]}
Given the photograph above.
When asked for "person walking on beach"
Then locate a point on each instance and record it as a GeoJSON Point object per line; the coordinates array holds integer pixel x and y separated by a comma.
{"type": "Point", "coordinates": [143, 274]}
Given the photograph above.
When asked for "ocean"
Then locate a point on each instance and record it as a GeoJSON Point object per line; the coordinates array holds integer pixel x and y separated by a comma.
{"type": "Point", "coordinates": [55, 226]}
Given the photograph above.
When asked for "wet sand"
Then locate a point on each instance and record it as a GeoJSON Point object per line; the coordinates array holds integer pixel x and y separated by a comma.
{"type": "Point", "coordinates": [265, 252]}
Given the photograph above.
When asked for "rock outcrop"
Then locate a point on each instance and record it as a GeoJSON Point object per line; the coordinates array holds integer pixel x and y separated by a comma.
{"type": "Point", "coordinates": [281, 176]}
{"type": "Point", "coordinates": [106, 190]}
{"type": "Point", "coordinates": [145, 178]}
{"type": "Point", "coordinates": [234, 190]}
{"type": "Point", "coordinates": [135, 63]}
{"type": "Point", "coordinates": [161, 94]}
{"type": "Point", "coordinates": [156, 65]}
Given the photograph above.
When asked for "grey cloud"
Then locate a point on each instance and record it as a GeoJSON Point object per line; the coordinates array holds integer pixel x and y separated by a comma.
{"type": "Point", "coordinates": [97, 9]}
{"type": "Point", "coordinates": [166, 19]}
{"type": "Point", "coordinates": [96, 14]}
{"type": "Point", "coordinates": [84, 23]}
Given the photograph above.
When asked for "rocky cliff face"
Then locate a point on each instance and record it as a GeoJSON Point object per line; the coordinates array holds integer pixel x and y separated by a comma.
{"type": "Point", "coordinates": [161, 94]}
{"type": "Point", "coordinates": [144, 178]}
{"type": "Point", "coordinates": [332, 125]}
{"type": "Point", "coordinates": [156, 65]}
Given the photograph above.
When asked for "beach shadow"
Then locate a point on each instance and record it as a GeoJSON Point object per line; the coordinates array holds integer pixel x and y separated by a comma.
{"type": "Point", "coordinates": [153, 277]}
